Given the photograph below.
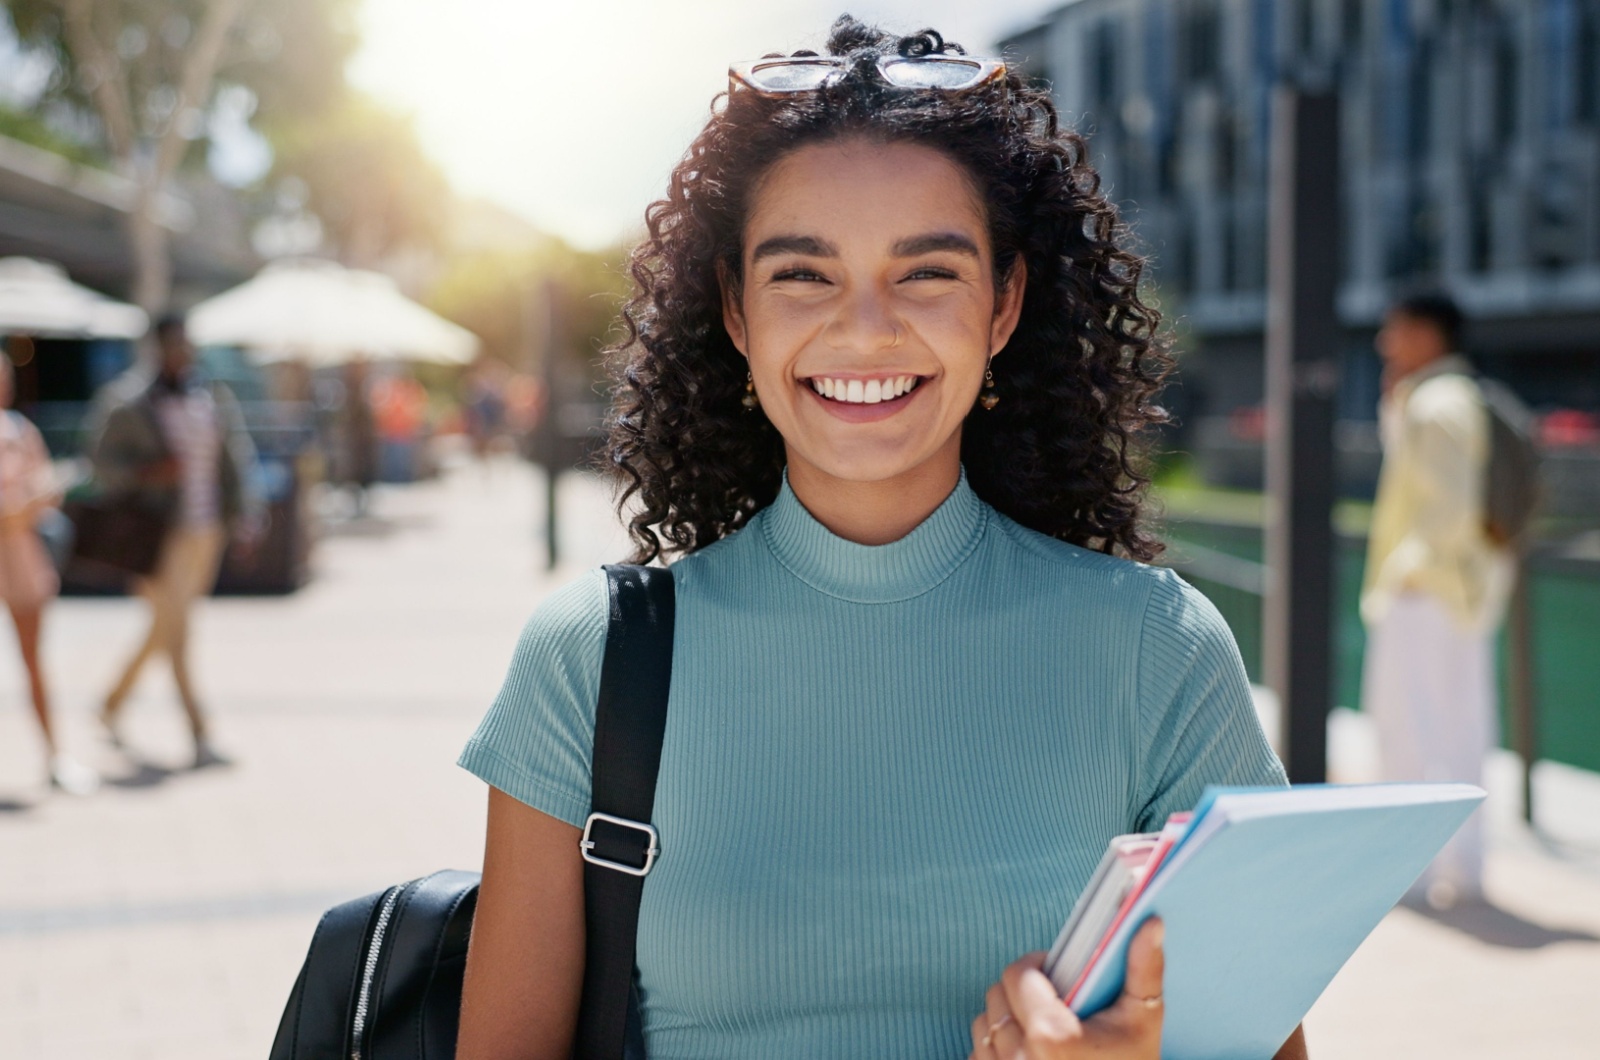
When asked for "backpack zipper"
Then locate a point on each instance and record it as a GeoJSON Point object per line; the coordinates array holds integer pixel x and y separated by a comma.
{"type": "Point", "coordinates": [358, 1023]}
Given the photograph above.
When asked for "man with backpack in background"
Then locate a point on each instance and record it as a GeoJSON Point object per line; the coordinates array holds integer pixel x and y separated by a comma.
{"type": "Point", "coordinates": [1454, 494]}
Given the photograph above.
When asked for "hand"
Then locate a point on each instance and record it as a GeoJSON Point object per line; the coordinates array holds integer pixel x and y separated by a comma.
{"type": "Point", "coordinates": [1026, 1020]}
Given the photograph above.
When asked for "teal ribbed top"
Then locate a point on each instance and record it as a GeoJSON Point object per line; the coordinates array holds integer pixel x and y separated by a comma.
{"type": "Point", "coordinates": [888, 770]}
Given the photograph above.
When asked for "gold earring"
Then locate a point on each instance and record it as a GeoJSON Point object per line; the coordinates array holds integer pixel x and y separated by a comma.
{"type": "Point", "coordinates": [749, 401]}
{"type": "Point", "coordinates": [988, 397]}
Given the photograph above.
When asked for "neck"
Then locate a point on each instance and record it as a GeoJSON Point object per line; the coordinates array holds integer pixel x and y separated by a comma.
{"type": "Point", "coordinates": [876, 513]}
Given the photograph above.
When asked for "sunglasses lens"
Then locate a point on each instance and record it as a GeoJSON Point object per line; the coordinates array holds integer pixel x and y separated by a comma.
{"type": "Point", "coordinates": [932, 73]}
{"type": "Point", "coordinates": [791, 77]}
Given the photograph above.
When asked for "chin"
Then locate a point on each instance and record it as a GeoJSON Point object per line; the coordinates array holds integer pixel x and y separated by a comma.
{"type": "Point", "coordinates": [873, 465]}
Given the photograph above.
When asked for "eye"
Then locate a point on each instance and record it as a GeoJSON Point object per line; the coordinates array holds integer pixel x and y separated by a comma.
{"type": "Point", "coordinates": [931, 272]}
{"type": "Point", "coordinates": [804, 275]}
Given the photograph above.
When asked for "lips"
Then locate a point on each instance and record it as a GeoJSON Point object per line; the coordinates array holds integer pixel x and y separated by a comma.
{"type": "Point", "coordinates": [857, 391]}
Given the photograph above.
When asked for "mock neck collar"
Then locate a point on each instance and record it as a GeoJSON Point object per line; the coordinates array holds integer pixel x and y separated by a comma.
{"type": "Point", "coordinates": [874, 574]}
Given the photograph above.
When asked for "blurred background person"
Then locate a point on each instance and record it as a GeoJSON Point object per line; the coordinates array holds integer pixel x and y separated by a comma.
{"type": "Point", "coordinates": [28, 579]}
{"type": "Point", "coordinates": [400, 413]}
{"type": "Point", "coordinates": [180, 445]}
{"type": "Point", "coordinates": [355, 436]}
{"type": "Point", "coordinates": [1436, 583]}
{"type": "Point", "coordinates": [483, 406]}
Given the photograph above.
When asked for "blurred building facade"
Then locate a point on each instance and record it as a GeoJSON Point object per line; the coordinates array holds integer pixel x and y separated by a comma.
{"type": "Point", "coordinates": [1471, 160]}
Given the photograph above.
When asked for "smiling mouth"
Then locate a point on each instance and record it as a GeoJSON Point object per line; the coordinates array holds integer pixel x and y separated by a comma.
{"type": "Point", "coordinates": [864, 391]}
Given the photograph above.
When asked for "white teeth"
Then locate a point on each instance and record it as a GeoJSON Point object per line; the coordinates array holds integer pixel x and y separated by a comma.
{"type": "Point", "coordinates": [864, 391]}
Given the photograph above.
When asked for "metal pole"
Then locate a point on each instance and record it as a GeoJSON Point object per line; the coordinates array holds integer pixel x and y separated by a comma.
{"type": "Point", "coordinates": [1302, 379]}
{"type": "Point", "coordinates": [1520, 680]}
{"type": "Point", "coordinates": [550, 429]}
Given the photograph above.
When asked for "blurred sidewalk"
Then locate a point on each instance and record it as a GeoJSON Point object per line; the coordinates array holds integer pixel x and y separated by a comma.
{"type": "Point", "coordinates": [166, 917]}
{"type": "Point", "coordinates": [1518, 978]}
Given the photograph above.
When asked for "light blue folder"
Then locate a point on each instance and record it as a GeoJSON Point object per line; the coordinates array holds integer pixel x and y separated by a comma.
{"type": "Point", "coordinates": [1265, 898]}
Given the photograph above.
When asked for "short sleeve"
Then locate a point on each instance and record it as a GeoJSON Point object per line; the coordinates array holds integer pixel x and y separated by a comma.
{"type": "Point", "coordinates": [1198, 725]}
{"type": "Point", "coordinates": [536, 741]}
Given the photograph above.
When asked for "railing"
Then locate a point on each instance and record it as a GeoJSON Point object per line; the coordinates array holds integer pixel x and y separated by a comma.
{"type": "Point", "coordinates": [1548, 670]}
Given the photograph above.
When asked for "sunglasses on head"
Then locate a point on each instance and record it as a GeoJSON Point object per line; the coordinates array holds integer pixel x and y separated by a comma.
{"type": "Point", "coordinates": [808, 73]}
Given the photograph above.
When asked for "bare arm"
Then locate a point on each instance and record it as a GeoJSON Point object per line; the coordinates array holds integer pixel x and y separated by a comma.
{"type": "Point", "coordinates": [525, 963]}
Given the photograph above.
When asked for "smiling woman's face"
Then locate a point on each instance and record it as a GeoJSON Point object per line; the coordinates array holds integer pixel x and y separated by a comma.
{"type": "Point", "coordinates": [868, 307]}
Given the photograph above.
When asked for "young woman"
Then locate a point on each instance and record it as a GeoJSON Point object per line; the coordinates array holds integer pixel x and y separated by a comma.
{"type": "Point", "coordinates": [28, 579]}
{"type": "Point", "coordinates": [886, 373]}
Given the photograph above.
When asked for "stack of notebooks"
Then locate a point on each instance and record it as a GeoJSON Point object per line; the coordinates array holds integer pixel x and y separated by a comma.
{"type": "Point", "coordinates": [1264, 892]}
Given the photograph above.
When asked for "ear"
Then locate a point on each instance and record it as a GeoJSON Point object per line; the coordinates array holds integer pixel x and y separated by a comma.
{"type": "Point", "coordinates": [732, 310]}
{"type": "Point", "coordinates": [1008, 307]}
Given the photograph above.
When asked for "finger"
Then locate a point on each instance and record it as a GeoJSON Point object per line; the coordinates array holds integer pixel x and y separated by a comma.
{"type": "Point", "coordinates": [982, 1045]}
{"type": "Point", "coordinates": [996, 1008]}
{"type": "Point", "coordinates": [988, 1035]}
{"type": "Point", "coordinates": [1044, 1019]}
{"type": "Point", "coordinates": [1147, 961]}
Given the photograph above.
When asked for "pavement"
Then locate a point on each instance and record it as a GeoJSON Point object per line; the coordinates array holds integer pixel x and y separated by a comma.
{"type": "Point", "coordinates": [166, 916]}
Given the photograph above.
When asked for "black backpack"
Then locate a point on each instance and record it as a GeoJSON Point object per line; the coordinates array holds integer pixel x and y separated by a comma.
{"type": "Point", "coordinates": [382, 979]}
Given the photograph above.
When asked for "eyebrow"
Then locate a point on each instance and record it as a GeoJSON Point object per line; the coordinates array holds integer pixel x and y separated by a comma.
{"type": "Point", "coordinates": [934, 242]}
{"type": "Point", "coordinates": [910, 247]}
{"type": "Point", "coordinates": [810, 246]}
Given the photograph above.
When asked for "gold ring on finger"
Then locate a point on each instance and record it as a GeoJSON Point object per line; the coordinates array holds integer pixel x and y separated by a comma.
{"type": "Point", "coordinates": [994, 1028]}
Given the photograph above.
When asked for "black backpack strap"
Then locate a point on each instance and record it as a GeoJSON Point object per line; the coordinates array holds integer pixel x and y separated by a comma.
{"type": "Point", "coordinates": [619, 844]}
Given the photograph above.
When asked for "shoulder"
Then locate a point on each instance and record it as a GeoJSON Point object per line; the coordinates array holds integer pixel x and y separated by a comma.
{"type": "Point", "coordinates": [1446, 398]}
{"type": "Point", "coordinates": [222, 394]}
{"type": "Point", "coordinates": [1060, 566]}
{"type": "Point", "coordinates": [24, 429]}
{"type": "Point", "coordinates": [723, 564]}
{"type": "Point", "coordinates": [126, 392]}
{"type": "Point", "coordinates": [572, 619]}
{"type": "Point", "coordinates": [1172, 619]}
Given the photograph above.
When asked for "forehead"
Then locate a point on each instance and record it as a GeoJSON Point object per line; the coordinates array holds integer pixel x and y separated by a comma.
{"type": "Point", "coordinates": [857, 190]}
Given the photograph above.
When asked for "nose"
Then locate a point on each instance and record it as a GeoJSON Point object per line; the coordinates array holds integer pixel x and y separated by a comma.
{"type": "Point", "coordinates": [864, 324]}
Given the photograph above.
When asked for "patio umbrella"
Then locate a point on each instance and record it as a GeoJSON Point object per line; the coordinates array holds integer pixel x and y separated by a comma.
{"type": "Point", "coordinates": [36, 298]}
{"type": "Point", "coordinates": [324, 313]}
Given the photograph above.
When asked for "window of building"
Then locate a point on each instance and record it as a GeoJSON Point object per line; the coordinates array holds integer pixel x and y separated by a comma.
{"type": "Point", "coordinates": [1202, 42]}
{"type": "Point", "coordinates": [1351, 24]}
{"type": "Point", "coordinates": [1586, 98]}
{"type": "Point", "coordinates": [1419, 100]}
{"type": "Point", "coordinates": [1103, 60]}
{"type": "Point", "coordinates": [1506, 70]}
{"type": "Point", "coordinates": [1305, 28]}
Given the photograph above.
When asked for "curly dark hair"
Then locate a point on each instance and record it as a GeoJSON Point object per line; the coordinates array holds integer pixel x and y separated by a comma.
{"type": "Point", "coordinates": [1061, 454]}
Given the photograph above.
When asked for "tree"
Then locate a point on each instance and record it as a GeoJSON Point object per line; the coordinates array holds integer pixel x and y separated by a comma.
{"type": "Point", "coordinates": [496, 293]}
{"type": "Point", "coordinates": [149, 70]}
{"type": "Point", "coordinates": [367, 179]}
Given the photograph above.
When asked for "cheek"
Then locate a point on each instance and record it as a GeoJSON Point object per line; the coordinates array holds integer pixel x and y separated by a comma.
{"type": "Point", "coordinates": [777, 330]}
{"type": "Point", "coordinates": [956, 329]}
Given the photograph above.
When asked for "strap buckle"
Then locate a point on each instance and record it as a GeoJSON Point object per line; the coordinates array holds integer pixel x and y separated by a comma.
{"type": "Point", "coordinates": [651, 850]}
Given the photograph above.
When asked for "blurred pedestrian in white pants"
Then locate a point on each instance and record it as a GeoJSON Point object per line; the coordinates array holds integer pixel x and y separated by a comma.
{"type": "Point", "coordinates": [1435, 584]}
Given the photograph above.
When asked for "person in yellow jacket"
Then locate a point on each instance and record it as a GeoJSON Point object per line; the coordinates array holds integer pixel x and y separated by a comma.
{"type": "Point", "coordinates": [1436, 583]}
